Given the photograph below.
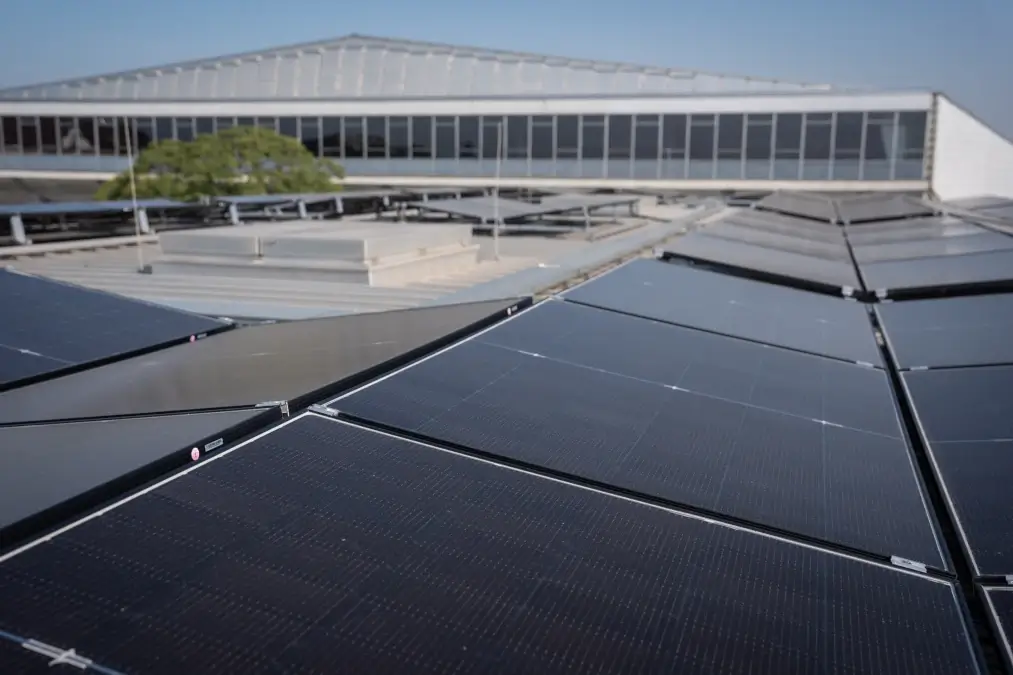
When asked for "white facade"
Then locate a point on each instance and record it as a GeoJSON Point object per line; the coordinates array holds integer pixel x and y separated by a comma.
{"type": "Point", "coordinates": [969, 158]}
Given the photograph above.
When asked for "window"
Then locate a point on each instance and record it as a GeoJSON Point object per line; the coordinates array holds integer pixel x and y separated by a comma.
{"type": "Point", "coordinates": [353, 141]}
{"type": "Point", "coordinates": [9, 135]}
{"type": "Point", "coordinates": [205, 126]}
{"type": "Point", "coordinates": [730, 136]}
{"type": "Point", "coordinates": [446, 138]}
{"type": "Point", "coordinates": [646, 138]}
{"type": "Point", "coordinates": [48, 135]}
{"type": "Point", "coordinates": [184, 129]}
{"type": "Point", "coordinates": [879, 131]}
{"type": "Point", "coordinates": [164, 128]}
{"type": "Point", "coordinates": [592, 140]}
{"type": "Point", "coordinates": [848, 138]}
{"type": "Point", "coordinates": [543, 142]}
{"type": "Point", "coordinates": [517, 137]}
{"type": "Point", "coordinates": [567, 137]}
{"type": "Point", "coordinates": [88, 135]}
{"type": "Point", "coordinates": [911, 129]}
{"type": "Point", "coordinates": [330, 136]}
{"type": "Point", "coordinates": [309, 134]}
{"type": "Point", "coordinates": [107, 136]}
{"type": "Point", "coordinates": [620, 136]}
{"type": "Point", "coordinates": [288, 126]}
{"type": "Point", "coordinates": [270, 123]}
{"type": "Point", "coordinates": [468, 137]}
{"type": "Point", "coordinates": [397, 137]}
{"type": "Point", "coordinates": [789, 136]}
{"type": "Point", "coordinates": [493, 144]}
{"type": "Point", "coordinates": [758, 137]}
{"type": "Point", "coordinates": [817, 136]}
{"type": "Point", "coordinates": [29, 135]}
{"type": "Point", "coordinates": [376, 137]}
{"type": "Point", "coordinates": [68, 141]}
{"type": "Point", "coordinates": [223, 123]}
{"type": "Point", "coordinates": [422, 137]}
{"type": "Point", "coordinates": [673, 137]}
{"type": "Point", "coordinates": [144, 133]}
{"type": "Point", "coordinates": [246, 122]}
{"type": "Point", "coordinates": [701, 137]}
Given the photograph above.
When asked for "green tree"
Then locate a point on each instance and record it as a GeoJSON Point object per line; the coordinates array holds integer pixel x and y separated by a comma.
{"type": "Point", "coordinates": [238, 161]}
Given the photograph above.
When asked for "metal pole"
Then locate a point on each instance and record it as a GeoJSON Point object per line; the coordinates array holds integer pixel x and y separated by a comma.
{"type": "Point", "coordinates": [495, 197]}
{"type": "Point", "coordinates": [133, 196]}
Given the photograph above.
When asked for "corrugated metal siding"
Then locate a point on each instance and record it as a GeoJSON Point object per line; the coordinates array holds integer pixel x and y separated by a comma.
{"type": "Point", "coordinates": [358, 67]}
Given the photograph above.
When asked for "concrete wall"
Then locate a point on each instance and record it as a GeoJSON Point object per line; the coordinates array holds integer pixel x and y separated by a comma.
{"type": "Point", "coordinates": [970, 159]}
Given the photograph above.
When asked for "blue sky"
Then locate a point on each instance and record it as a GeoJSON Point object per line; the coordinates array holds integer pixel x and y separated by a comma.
{"type": "Point", "coordinates": [957, 46]}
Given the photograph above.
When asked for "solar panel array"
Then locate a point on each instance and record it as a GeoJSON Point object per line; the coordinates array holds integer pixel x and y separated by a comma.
{"type": "Point", "coordinates": [677, 466]}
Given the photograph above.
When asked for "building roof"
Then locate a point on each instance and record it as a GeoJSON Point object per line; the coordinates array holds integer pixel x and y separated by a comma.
{"type": "Point", "coordinates": [358, 66]}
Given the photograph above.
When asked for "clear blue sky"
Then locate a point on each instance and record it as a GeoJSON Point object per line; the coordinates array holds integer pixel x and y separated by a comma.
{"type": "Point", "coordinates": [961, 47]}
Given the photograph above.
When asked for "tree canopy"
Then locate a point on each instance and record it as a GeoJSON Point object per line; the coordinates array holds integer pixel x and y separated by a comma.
{"type": "Point", "coordinates": [237, 161]}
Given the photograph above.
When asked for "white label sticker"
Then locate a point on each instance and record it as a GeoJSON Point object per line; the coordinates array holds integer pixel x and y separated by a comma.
{"type": "Point", "coordinates": [214, 444]}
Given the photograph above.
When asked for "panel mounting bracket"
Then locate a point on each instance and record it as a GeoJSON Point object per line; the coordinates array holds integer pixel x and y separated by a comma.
{"type": "Point", "coordinates": [1009, 579]}
{"type": "Point", "coordinates": [908, 564]}
{"type": "Point", "coordinates": [275, 404]}
{"type": "Point", "coordinates": [324, 410]}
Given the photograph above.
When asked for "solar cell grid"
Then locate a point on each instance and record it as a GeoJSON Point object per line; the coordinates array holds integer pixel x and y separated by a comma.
{"type": "Point", "coordinates": [786, 317]}
{"type": "Point", "coordinates": [782, 242]}
{"type": "Point", "coordinates": [927, 248]}
{"type": "Point", "coordinates": [963, 414]}
{"type": "Point", "coordinates": [49, 325]}
{"type": "Point", "coordinates": [767, 263]}
{"type": "Point", "coordinates": [816, 207]}
{"type": "Point", "coordinates": [915, 230]}
{"type": "Point", "coordinates": [322, 544]}
{"type": "Point", "coordinates": [999, 603]}
{"type": "Point", "coordinates": [781, 224]}
{"type": "Point", "coordinates": [921, 276]}
{"type": "Point", "coordinates": [756, 460]}
{"type": "Point", "coordinates": [873, 207]}
{"type": "Point", "coordinates": [949, 331]}
{"type": "Point", "coordinates": [45, 466]}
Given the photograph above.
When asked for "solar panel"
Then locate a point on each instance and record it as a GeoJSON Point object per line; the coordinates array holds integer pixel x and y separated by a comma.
{"type": "Point", "coordinates": [963, 416]}
{"type": "Point", "coordinates": [816, 207]}
{"type": "Point", "coordinates": [577, 201]}
{"type": "Point", "coordinates": [77, 208]}
{"type": "Point", "coordinates": [873, 207]}
{"type": "Point", "coordinates": [733, 231]}
{"type": "Point", "coordinates": [916, 229]}
{"type": "Point", "coordinates": [741, 456]}
{"type": "Point", "coordinates": [940, 246]}
{"type": "Point", "coordinates": [768, 264]}
{"type": "Point", "coordinates": [50, 326]}
{"type": "Point", "coordinates": [999, 602]}
{"type": "Point", "coordinates": [321, 543]}
{"type": "Point", "coordinates": [481, 208]}
{"type": "Point", "coordinates": [983, 202]}
{"type": "Point", "coordinates": [786, 317]}
{"type": "Point", "coordinates": [954, 273]}
{"type": "Point", "coordinates": [49, 471]}
{"type": "Point", "coordinates": [779, 223]}
{"type": "Point", "coordinates": [949, 331]}
{"type": "Point", "coordinates": [285, 361]}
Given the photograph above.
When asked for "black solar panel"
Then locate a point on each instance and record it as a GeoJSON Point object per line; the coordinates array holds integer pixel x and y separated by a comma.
{"type": "Point", "coordinates": [976, 479]}
{"type": "Point", "coordinates": [767, 263]}
{"type": "Point", "coordinates": [939, 246]}
{"type": "Point", "coordinates": [755, 460]}
{"type": "Point", "coordinates": [753, 310]}
{"type": "Point", "coordinates": [962, 404]}
{"type": "Point", "coordinates": [48, 326]}
{"type": "Point", "coordinates": [812, 206]}
{"type": "Point", "coordinates": [778, 242]}
{"type": "Point", "coordinates": [999, 601]}
{"type": "Point", "coordinates": [45, 468]}
{"type": "Point", "coordinates": [284, 361]}
{"type": "Point", "coordinates": [873, 207]}
{"type": "Point", "coordinates": [323, 547]}
{"type": "Point", "coordinates": [776, 223]}
{"type": "Point", "coordinates": [911, 278]}
{"type": "Point", "coordinates": [913, 230]}
{"type": "Point", "coordinates": [967, 331]}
